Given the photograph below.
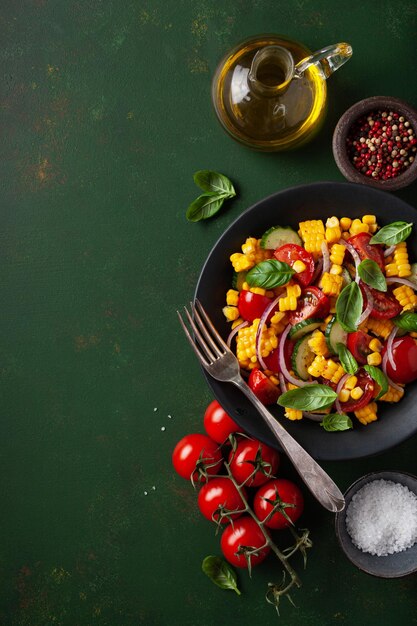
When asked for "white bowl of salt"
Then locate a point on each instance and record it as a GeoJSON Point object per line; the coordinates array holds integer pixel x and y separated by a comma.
{"type": "Point", "coordinates": [377, 530]}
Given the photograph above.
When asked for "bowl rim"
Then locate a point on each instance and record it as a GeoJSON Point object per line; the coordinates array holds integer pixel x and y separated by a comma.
{"type": "Point", "coordinates": [340, 517]}
{"type": "Point", "coordinates": [343, 127]}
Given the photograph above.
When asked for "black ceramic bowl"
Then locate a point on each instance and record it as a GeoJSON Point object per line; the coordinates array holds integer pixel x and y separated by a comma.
{"type": "Point", "coordinates": [342, 130]}
{"type": "Point", "coordinates": [392, 565]}
{"type": "Point", "coordinates": [396, 422]}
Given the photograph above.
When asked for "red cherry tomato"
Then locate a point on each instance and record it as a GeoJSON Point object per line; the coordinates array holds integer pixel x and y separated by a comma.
{"type": "Point", "coordinates": [244, 532]}
{"type": "Point", "coordinates": [368, 250]}
{"type": "Point", "coordinates": [217, 423]}
{"type": "Point", "coordinates": [272, 360]}
{"type": "Point", "coordinates": [312, 303]}
{"type": "Point", "coordinates": [251, 455]}
{"type": "Point", "coordinates": [358, 344]}
{"type": "Point", "coordinates": [404, 352]}
{"type": "Point", "coordinates": [385, 306]}
{"type": "Point", "coordinates": [263, 388]}
{"type": "Point", "coordinates": [277, 490]}
{"type": "Point", "coordinates": [367, 384]}
{"type": "Point", "coordinates": [220, 494]}
{"type": "Point", "coordinates": [251, 305]}
{"type": "Point", "coordinates": [290, 253]}
{"type": "Point", "coordinates": [195, 454]}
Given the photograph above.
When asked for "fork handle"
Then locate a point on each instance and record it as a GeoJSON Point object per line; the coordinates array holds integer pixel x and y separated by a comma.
{"type": "Point", "coordinates": [316, 479]}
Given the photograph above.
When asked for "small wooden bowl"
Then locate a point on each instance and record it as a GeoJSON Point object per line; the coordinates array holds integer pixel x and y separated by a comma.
{"type": "Point", "coordinates": [341, 132]}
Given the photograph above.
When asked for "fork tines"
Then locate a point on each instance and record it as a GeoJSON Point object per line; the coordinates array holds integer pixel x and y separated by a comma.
{"type": "Point", "coordinates": [209, 345]}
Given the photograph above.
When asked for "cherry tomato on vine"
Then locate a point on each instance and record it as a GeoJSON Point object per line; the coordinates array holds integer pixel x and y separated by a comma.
{"type": "Point", "coordinates": [290, 253]}
{"type": "Point", "coordinates": [404, 353]}
{"type": "Point", "coordinates": [195, 455]}
{"type": "Point", "coordinates": [220, 494]}
{"type": "Point", "coordinates": [244, 532]}
{"type": "Point", "coordinates": [218, 424]}
{"type": "Point", "coordinates": [368, 250]}
{"type": "Point", "coordinates": [263, 388]}
{"type": "Point", "coordinates": [251, 455]}
{"type": "Point", "coordinates": [312, 303]}
{"type": "Point", "coordinates": [283, 491]}
{"type": "Point", "coordinates": [367, 384]}
{"type": "Point", "coordinates": [252, 305]}
{"type": "Point", "coordinates": [358, 344]}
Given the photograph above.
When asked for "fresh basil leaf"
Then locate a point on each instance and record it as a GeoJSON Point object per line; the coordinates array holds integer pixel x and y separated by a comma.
{"type": "Point", "coordinates": [220, 572]}
{"type": "Point", "coordinates": [347, 359]}
{"type": "Point", "coordinates": [349, 307]}
{"type": "Point", "coordinates": [379, 377]}
{"type": "Point", "coordinates": [407, 321]}
{"type": "Point", "coordinates": [204, 206]}
{"type": "Point", "coordinates": [371, 274]}
{"type": "Point", "coordinates": [308, 398]}
{"type": "Point", "coordinates": [392, 233]}
{"type": "Point", "coordinates": [269, 274]}
{"type": "Point", "coordinates": [336, 421]}
{"type": "Point", "coordinates": [214, 182]}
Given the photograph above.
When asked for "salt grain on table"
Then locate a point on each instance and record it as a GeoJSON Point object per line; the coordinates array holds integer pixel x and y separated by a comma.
{"type": "Point", "coordinates": [382, 518]}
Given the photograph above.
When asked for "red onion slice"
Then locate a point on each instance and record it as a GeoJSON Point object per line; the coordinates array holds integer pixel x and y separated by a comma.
{"type": "Point", "coordinates": [234, 332]}
{"type": "Point", "coordinates": [338, 390]}
{"type": "Point", "coordinates": [369, 306]}
{"type": "Point", "coordinates": [384, 369]}
{"type": "Point", "coordinates": [318, 272]}
{"type": "Point", "coordinates": [403, 281]}
{"type": "Point", "coordinates": [281, 361]}
{"type": "Point", "coordinates": [282, 383]}
{"type": "Point", "coordinates": [355, 256]}
{"type": "Point", "coordinates": [261, 324]}
{"type": "Point", "coordinates": [389, 251]}
{"type": "Point", "coordinates": [326, 257]}
{"type": "Point", "coordinates": [389, 352]}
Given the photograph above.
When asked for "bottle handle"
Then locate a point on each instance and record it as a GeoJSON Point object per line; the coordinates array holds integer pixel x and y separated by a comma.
{"type": "Point", "coordinates": [327, 60]}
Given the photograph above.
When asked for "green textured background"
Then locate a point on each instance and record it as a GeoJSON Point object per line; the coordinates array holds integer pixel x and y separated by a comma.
{"type": "Point", "coordinates": [105, 114]}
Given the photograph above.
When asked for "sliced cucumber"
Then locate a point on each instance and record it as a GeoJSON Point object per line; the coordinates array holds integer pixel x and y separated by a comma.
{"type": "Point", "coordinates": [334, 334]}
{"type": "Point", "coordinates": [238, 279]}
{"type": "Point", "coordinates": [413, 275]}
{"type": "Point", "coordinates": [346, 277]}
{"type": "Point", "coordinates": [304, 327]}
{"type": "Point", "coordinates": [279, 235]}
{"type": "Point", "coordinates": [302, 358]}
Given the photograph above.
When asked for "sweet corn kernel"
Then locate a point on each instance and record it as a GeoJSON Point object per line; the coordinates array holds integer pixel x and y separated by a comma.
{"type": "Point", "coordinates": [356, 393]}
{"type": "Point", "coordinates": [369, 219]}
{"type": "Point", "coordinates": [375, 345]}
{"type": "Point", "coordinates": [293, 414]}
{"type": "Point", "coordinates": [259, 290]}
{"type": "Point", "coordinates": [274, 379]}
{"type": "Point", "coordinates": [336, 270]}
{"type": "Point", "coordinates": [358, 227]}
{"type": "Point", "coordinates": [231, 313]}
{"type": "Point", "coordinates": [344, 395]}
{"type": "Point", "coordinates": [237, 322]}
{"type": "Point", "coordinates": [367, 414]}
{"type": "Point", "coordinates": [351, 383]}
{"type": "Point", "coordinates": [337, 253]}
{"type": "Point", "coordinates": [232, 297]}
{"type": "Point", "coordinates": [240, 262]}
{"type": "Point", "coordinates": [374, 358]}
{"type": "Point", "coordinates": [345, 223]}
{"type": "Point", "coordinates": [299, 267]}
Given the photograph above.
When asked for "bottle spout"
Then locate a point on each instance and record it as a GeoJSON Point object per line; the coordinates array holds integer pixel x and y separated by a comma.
{"type": "Point", "coordinates": [327, 60]}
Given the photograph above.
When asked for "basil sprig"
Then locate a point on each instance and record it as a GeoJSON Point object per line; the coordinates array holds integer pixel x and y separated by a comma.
{"type": "Point", "coordinates": [349, 307]}
{"type": "Point", "coordinates": [347, 359]}
{"type": "Point", "coordinates": [336, 421]}
{"type": "Point", "coordinates": [308, 398]}
{"type": "Point", "coordinates": [380, 379]}
{"type": "Point", "coordinates": [392, 233]}
{"type": "Point", "coordinates": [217, 188]}
{"type": "Point", "coordinates": [407, 321]}
{"type": "Point", "coordinates": [269, 274]}
{"type": "Point", "coordinates": [371, 274]}
{"type": "Point", "coordinates": [220, 573]}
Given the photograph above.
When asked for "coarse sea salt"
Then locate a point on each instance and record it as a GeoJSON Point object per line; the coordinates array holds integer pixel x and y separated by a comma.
{"type": "Point", "coordinates": [382, 518]}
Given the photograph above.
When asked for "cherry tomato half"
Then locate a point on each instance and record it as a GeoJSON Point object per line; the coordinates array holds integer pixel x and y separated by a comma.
{"type": "Point", "coordinates": [220, 494]}
{"type": "Point", "coordinates": [385, 306]}
{"type": "Point", "coordinates": [290, 253]}
{"type": "Point", "coordinates": [272, 360]}
{"type": "Point", "coordinates": [195, 454]}
{"type": "Point", "coordinates": [251, 305]}
{"type": "Point", "coordinates": [367, 384]}
{"type": "Point", "coordinates": [312, 303]}
{"type": "Point", "coordinates": [404, 352]}
{"type": "Point", "coordinates": [368, 250]}
{"type": "Point", "coordinates": [358, 344]}
{"type": "Point", "coordinates": [278, 490]}
{"type": "Point", "coordinates": [251, 455]}
{"type": "Point", "coordinates": [263, 388]}
{"type": "Point", "coordinates": [217, 423]}
{"type": "Point", "coordinates": [244, 532]}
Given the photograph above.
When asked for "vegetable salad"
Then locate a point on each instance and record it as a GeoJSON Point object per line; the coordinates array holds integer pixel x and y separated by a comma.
{"type": "Point", "coordinates": [323, 319]}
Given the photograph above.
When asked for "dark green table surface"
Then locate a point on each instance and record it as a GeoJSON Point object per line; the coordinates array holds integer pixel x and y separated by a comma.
{"type": "Point", "coordinates": [105, 115]}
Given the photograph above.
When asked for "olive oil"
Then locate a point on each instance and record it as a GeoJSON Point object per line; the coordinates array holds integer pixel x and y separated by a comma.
{"type": "Point", "coordinates": [266, 99]}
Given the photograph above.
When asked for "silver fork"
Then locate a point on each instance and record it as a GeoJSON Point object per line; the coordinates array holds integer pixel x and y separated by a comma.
{"type": "Point", "coordinates": [219, 361]}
